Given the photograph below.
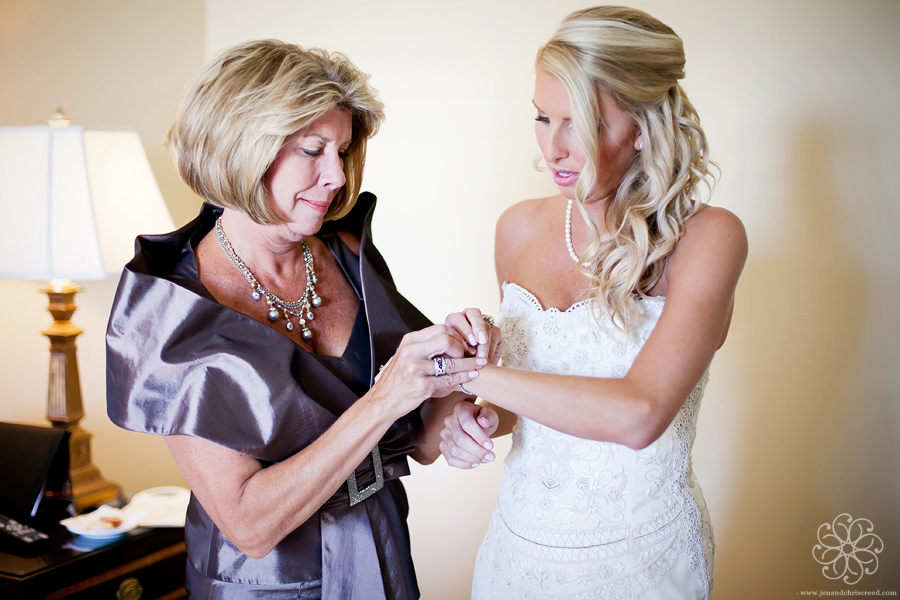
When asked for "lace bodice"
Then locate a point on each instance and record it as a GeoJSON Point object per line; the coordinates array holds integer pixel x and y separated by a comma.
{"type": "Point", "coordinates": [624, 517]}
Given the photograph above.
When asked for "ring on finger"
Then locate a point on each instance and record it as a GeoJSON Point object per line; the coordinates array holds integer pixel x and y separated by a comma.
{"type": "Point", "coordinates": [488, 319]}
{"type": "Point", "coordinates": [440, 366]}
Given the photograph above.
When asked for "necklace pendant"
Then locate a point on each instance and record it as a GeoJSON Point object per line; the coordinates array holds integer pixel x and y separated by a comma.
{"type": "Point", "coordinates": [277, 306]}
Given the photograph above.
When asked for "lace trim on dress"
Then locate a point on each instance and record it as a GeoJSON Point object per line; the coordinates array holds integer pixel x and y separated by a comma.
{"type": "Point", "coordinates": [532, 299]}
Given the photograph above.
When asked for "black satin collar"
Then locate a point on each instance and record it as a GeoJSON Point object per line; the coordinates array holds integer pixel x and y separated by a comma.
{"type": "Point", "coordinates": [197, 332]}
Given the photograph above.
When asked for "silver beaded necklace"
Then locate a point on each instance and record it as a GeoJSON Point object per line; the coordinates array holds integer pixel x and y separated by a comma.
{"type": "Point", "coordinates": [277, 306]}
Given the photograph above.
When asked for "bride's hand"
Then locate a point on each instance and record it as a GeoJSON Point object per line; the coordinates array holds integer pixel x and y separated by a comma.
{"type": "Point", "coordinates": [428, 363]}
{"type": "Point", "coordinates": [483, 337]}
{"type": "Point", "coordinates": [466, 437]}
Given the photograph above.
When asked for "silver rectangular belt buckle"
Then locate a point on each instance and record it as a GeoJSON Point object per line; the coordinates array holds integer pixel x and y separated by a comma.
{"type": "Point", "coordinates": [357, 495]}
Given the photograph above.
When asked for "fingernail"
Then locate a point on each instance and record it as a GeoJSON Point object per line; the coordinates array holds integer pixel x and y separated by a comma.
{"type": "Point", "coordinates": [481, 361]}
{"type": "Point", "coordinates": [482, 338]}
{"type": "Point", "coordinates": [473, 374]}
{"type": "Point", "coordinates": [472, 340]}
{"type": "Point", "coordinates": [488, 446]}
{"type": "Point", "coordinates": [475, 465]}
{"type": "Point", "coordinates": [487, 458]}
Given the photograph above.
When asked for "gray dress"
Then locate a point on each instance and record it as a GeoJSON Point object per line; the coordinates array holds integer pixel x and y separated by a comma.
{"type": "Point", "coordinates": [180, 363]}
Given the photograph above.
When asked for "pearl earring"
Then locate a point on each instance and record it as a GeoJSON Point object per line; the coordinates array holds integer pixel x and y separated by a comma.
{"type": "Point", "coordinates": [641, 146]}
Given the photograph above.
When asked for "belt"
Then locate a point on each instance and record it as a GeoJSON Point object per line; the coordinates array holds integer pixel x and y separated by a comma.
{"type": "Point", "coordinates": [357, 495]}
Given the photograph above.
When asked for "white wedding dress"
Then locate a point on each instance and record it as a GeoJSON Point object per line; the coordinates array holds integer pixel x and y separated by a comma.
{"type": "Point", "coordinates": [584, 519]}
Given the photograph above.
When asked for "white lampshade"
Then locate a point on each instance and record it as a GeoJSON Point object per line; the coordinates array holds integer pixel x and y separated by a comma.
{"type": "Point", "coordinates": [72, 200]}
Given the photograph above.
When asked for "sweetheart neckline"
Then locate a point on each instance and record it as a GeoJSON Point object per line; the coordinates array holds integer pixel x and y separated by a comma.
{"type": "Point", "coordinates": [577, 305]}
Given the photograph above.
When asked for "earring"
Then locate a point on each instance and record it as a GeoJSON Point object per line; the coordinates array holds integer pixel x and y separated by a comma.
{"type": "Point", "coordinates": [641, 146]}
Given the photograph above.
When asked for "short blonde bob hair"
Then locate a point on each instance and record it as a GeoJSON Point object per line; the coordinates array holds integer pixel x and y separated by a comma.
{"type": "Point", "coordinates": [638, 60]}
{"type": "Point", "coordinates": [238, 114]}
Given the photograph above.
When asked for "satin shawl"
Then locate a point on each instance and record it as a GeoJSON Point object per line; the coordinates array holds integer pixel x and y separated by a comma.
{"type": "Point", "coordinates": [180, 363]}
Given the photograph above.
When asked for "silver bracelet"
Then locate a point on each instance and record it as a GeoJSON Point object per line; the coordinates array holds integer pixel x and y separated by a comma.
{"type": "Point", "coordinates": [465, 391]}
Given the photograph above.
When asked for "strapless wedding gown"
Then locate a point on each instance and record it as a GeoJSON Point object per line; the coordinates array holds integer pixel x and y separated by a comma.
{"type": "Point", "coordinates": [584, 519]}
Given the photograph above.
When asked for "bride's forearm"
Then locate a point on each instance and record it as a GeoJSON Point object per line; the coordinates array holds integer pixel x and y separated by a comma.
{"type": "Point", "coordinates": [587, 407]}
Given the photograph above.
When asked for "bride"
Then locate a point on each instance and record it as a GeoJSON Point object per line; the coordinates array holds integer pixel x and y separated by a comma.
{"type": "Point", "coordinates": [617, 292]}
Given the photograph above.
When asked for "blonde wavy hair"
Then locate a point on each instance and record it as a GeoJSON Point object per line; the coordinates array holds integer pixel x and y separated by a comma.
{"type": "Point", "coordinates": [239, 113]}
{"type": "Point", "coordinates": [638, 60]}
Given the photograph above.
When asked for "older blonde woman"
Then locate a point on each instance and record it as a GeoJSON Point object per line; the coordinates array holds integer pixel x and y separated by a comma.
{"type": "Point", "coordinates": [252, 339]}
{"type": "Point", "coordinates": [610, 319]}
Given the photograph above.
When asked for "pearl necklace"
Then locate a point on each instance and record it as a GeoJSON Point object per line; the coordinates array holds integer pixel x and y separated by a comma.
{"type": "Point", "coordinates": [569, 235]}
{"type": "Point", "coordinates": [277, 306]}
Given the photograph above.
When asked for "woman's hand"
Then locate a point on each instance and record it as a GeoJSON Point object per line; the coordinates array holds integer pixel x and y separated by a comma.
{"type": "Point", "coordinates": [483, 337]}
{"type": "Point", "coordinates": [413, 374]}
{"type": "Point", "coordinates": [466, 437]}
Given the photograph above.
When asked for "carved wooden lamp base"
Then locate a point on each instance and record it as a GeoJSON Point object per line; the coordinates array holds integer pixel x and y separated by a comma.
{"type": "Point", "coordinates": [85, 486]}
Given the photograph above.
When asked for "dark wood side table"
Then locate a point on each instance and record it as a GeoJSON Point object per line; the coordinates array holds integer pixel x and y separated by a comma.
{"type": "Point", "coordinates": [145, 564]}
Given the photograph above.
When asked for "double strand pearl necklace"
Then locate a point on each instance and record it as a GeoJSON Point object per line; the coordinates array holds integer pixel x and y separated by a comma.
{"type": "Point", "coordinates": [569, 235]}
{"type": "Point", "coordinates": [277, 306]}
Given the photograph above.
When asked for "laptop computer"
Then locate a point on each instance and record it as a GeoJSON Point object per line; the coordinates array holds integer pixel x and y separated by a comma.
{"type": "Point", "coordinates": [29, 457]}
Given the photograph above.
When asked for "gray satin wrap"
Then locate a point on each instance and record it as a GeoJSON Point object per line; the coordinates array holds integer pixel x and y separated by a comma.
{"type": "Point", "coordinates": [180, 363]}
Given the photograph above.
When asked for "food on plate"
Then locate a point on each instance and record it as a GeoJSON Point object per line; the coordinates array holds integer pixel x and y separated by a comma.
{"type": "Point", "coordinates": [110, 522]}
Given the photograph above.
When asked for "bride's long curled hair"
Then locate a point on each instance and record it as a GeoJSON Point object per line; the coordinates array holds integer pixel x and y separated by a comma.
{"type": "Point", "coordinates": [638, 60]}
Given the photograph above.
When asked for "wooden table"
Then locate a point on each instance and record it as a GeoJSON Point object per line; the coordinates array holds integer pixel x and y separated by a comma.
{"type": "Point", "coordinates": [145, 564]}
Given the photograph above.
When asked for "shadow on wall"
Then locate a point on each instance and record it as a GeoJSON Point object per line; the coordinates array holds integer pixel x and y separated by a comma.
{"type": "Point", "coordinates": [803, 314]}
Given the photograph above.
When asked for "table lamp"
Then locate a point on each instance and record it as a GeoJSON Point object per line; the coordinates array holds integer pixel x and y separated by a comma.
{"type": "Point", "coordinates": [72, 200]}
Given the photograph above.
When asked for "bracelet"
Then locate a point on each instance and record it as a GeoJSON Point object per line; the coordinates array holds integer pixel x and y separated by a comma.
{"type": "Point", "coordinates": [465, 391]}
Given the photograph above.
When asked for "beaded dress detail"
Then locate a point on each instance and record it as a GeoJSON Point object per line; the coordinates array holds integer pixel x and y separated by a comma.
{"type": "Point", "coordinates": [583, 519]}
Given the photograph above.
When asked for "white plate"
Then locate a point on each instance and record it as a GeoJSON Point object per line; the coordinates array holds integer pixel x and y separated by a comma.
{"type": "Point", "coordinates": [93, 526]}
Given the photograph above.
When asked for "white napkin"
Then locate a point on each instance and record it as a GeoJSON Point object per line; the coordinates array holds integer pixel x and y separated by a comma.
{"type": "Point", "coordinates": [163, 506]}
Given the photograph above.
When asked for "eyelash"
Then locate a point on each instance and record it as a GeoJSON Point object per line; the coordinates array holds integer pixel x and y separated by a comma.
{"type": "Point", "coordinates": [543, 119]}
{"type": "Point", "coordinates": [317, 153]}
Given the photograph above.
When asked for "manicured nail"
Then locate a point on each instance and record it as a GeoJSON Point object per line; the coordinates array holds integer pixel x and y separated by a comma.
{"type": "Point", "coordinates": [472, 341]}
{"type": "Point", "coordinates": [488, 445]}
{"type": "Point", "coordinates": [482, 338]}
{"type": "Point", "coordinates": [475, 465]}
{"type": "Point", "coordinates": [487, 458]}
{"type": "Point", "coordinates": [481, 361]}
{"type": "Point", "coordinates": [473, 374]}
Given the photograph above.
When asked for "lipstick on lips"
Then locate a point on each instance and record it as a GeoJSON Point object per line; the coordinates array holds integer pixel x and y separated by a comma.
{"type": "Point", "coordinates": [321, 207]}
{"type": "Point", "coordinates": [564, 178]}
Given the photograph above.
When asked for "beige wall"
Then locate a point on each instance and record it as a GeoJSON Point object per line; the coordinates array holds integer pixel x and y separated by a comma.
{"type": "Point", "coordinates": [105, 63]}
{"type": "Point", "coordinates": [801, 417]}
